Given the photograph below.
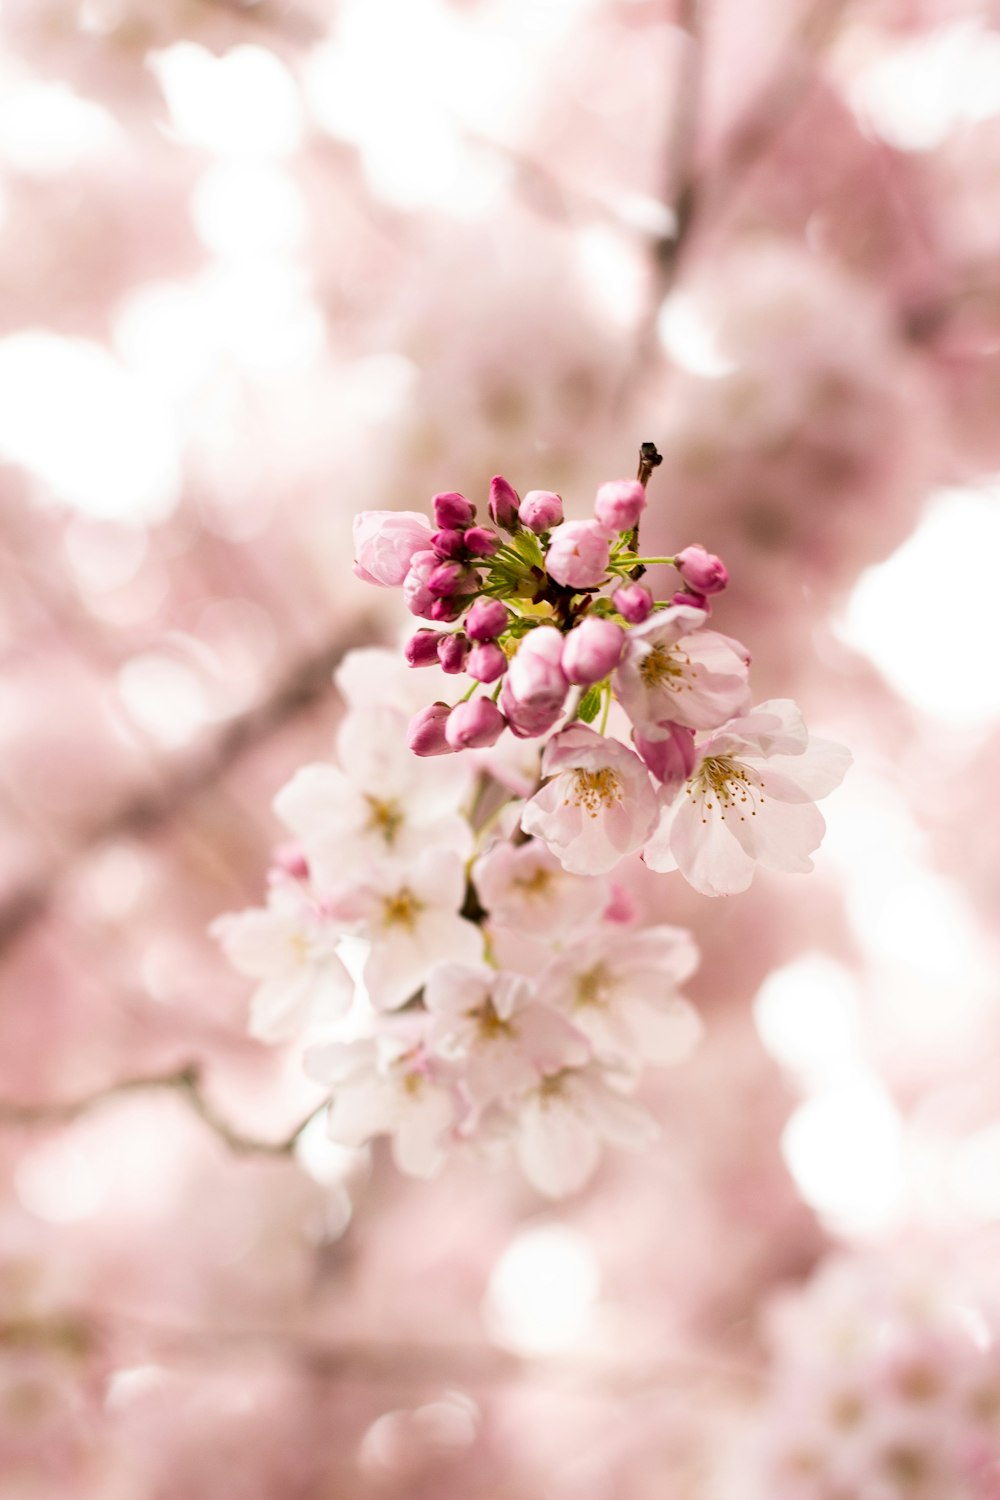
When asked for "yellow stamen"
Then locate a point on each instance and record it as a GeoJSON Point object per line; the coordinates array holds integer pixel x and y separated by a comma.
{"type": "Point", "coordinates": [401, 909]}
{"type": "Point", "coordinates": [593, 790]}
{"type": "Point", "coordinates": [386, 819]}
{"type": "Point", "coordinates": [662, 667]}
{"type": "Point", "coordinates": [729, 783]}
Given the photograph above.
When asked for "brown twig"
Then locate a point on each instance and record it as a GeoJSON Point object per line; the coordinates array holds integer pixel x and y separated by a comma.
{"type": "Point", "coordinates": [187, 1081]}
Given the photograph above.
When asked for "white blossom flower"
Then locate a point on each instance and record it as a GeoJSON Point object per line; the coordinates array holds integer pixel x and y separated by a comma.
{"type": "Point", "coordinates": [387, 1086]}
{"type": "Point", "coordinates": [290, 946]}
{"type": "Point", "coordinates": [526, 888]}
{"type": "Point", "coordinates": [674, 672]}
{"type": "Point", "coordinates": [749, 801]}
{"type": "Point", "coordinates": [492, 1026]}
{"type": "Point", "coordinates": [385, 803]}
{"type": "Point", "coordinates": [559, 1128]}
{"type": "Point", "coordinates": [410, 916]}
{"type": "Point", "coordinates": [620, 990]}
{"type": "Point", "coordinates": [598, 806]}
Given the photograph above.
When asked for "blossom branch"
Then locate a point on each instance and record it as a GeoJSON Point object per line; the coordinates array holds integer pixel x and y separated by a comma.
{"type": "Point", "coordinates": [187, 1081]}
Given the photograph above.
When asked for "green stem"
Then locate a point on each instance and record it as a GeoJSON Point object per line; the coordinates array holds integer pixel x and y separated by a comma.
{"type": "Point", "coordinates": [607, 708]}
{"type": "Point", "coordinates": [647, 562]}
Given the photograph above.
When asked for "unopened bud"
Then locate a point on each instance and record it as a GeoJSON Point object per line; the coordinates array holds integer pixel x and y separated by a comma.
{"type": "Point", "coordinates": [425, 735]}
{"type": "Point", "coordinates": [633, 602]}
{"type": "Point", "coordinates": [486, 662]}
{"type": "Point", "coordinates": [452, 651]}
{"type": "Point", "coordinates": [541, 510]}
{"type": "Point", "coordinates": [481, 541]}
{"type": "Point", "coordinates": [488, 618]}
{"type": "Point", "coordinates": [592, 650]}
{"type": "Point", "coordinates": [452, 510]}
{"type": "Point", "coordinates": [447, 543]}
{"type": "Point", "coordinates": [421, 650]}
{"type": "Point", "coordinates": [702, 571]}
{"type": "Point", "coordinates": [503, 502]}
{"type": "Point", "coordinates": [620, 503]}
{"type": "Point", "coordinates": [474, 725]}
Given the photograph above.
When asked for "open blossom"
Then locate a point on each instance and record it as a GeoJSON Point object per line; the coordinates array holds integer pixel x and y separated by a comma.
{"type": "Point", "coordinates": [672, 671]}
{"type": "Point", "coordinates": [410, 915]}
{"type": "Point", "coordinates": [290, 947]}
{"type": "Point", "coordinates": [598, 806]}
{"type": "Point", "coordinates": [493, 1026]}
{"type": "Point", "coordinates": [620, 990]}
{"type": "Point", "coordinates": [524, 887]}
{"type": "Point", "coordinates": [560, 1125]}
{"type": "Point", "coordinates": [749, 801]}
{"type": "Point", "coordinates": [387, 1086]}
{"type": "Point", "coordinates": [385, 542]}
{"type": "Point", "coordinates": [386, 803]}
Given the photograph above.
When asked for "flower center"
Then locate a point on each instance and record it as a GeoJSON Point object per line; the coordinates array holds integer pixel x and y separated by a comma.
{"type": "Point", "coordinates": [401, 909]}
{"type": "Point", "coordinates": [593, 790]}
{"type": "Point", "coordinates": [385, 818]}
{"type": "Point", "coordinates": [491, 1026]}
{"type": "Point", "coordinates": [725, 784]}
{"type": "Point", "coordinates": [590, 987]}
{"type": "Point", "coordinates": [535, 884]}
{"type": "Point", "coordinates": [661, 667]}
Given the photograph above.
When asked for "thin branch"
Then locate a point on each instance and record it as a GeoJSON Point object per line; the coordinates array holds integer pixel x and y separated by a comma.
{"type": "Point", "coordinates": [148, 809]}
{"type": "Point", "coordinates": [187, 1081]}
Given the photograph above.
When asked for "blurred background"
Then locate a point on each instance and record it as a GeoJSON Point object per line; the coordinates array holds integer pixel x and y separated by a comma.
{"type": "Point", "coordinates": [263, 265]}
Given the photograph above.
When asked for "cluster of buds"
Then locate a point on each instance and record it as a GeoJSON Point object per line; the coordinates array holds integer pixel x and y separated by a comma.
{"type": "Point", "coordinates": [550, 621]}
{"type": "Point", "coordinates": [507, 999]}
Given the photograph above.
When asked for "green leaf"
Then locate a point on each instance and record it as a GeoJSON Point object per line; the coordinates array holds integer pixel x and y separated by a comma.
{"type": "Point", "coordinates": [590, 704]}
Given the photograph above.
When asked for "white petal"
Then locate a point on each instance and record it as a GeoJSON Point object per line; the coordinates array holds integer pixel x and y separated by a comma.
{"type": "Point", "coordinates": [556, 1150]}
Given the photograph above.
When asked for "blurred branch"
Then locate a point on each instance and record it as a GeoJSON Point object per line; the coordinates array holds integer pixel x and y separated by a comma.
{"type": "Point", "coordinates": [187, 1081]}
{"type": "Point", "coordinates": [306, 681]}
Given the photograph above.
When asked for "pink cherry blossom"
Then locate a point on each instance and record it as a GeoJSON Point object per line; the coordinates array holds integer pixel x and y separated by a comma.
{"type": "Point", "coordinates": [290, 947]}
{"type": "Point", "coordinates": [541, 510]}
{"type": "Point", "coordinates": [524, 887]}
{"type": "Point", "coordinates": [561, 1125]}
{"type": "Point", "coordinates": [749, 801]}
{"type": "Point", "coordinates": [410, 915]}
{"type": "Point", "coordinates": [385, 542]}
{"type": "Point", "coordinates": [598, 806]}
{"type": "Point", "coordinates": [619, 504]}
{"type": "Point", "coordinates": [503, 502]}
{"type": "Point", "coordinates": [383, 1086]}
{"type": "Point", "coordinates": [385, 804]}
{"type": "Point", "coordinates": [702, 571]}
{"type": "Point", "coordinates": [474, 725]}
{"type": "Point", "coordinates": [592, 650]}
{"type": "Point", "coordinates": [493, 1027]}
{"type": "Point", "coordinates": [674, 672]}
{"type": "Point", "coordinates": [578, 554]}
{"type": "Point", "coordinates": [620, 990]}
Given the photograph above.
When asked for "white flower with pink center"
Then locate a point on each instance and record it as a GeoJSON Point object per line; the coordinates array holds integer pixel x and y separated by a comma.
{"type": "Point", "coordinates": [560, 1126]}
{"type": "Point", "coordinates": [525, 887]}
{"type": "Point", "coordinates": [290, 948]}
{"type": "Point", "coordinates": [598, 806]}
{"type": "Point", "coordinates": [750, 801]}
{"type": "Point", "coordinates": [493, 1028]}
{"type": "Point", "coordinates": [388, 1086]}
{"type": "Point", "coordinates": [410, 916]}
{"type": "Point", "coordinates": [386, 804]}
{"type": "Point", "coordinates": [620, 990]}
{"type": "Point", "coordinates": [674, 672]}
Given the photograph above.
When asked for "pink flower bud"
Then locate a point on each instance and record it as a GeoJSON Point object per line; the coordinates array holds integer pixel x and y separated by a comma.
{"type": "Point", "coordinates": [692, 600]}
{"type": "Point", "coordinates": [592, 650]}
{"type": "Point", "coordinates": [444, 611]}
{"type": "Point", "coordinates": [633, 602]}
{"type": "Point", "coordinates": [474, 725]}
{"type": "Point", "coordinates": [672, 758]}
{"type": "Point", "coordinates": [425, 735]}
{"type": "Point", "coordinates": [578, 554]}
{"type": "Point", "coordinates": [503, 502]}
{"type": "Point", "coordinates": [620, 503]}
{"type": "Point", "coordinates": [385, 542]}
{"type": "Point", "coordinates": [416, 594]}
{"type": "Point", "coordinates": [486, 662]}
{"type": "Point", "coordinates": [447, 543]}
{"type": "Point", "coordinates": [446, 580]}
{"type": "Point", "coordinates": [488, 618]}
{"type": "Point", "coordinates": [535, 687]}
{"type": "Point", "coordinates": [452, 652]}
{"type": "Point", "coordinates": [621, 908]}
{"type": "Point", "coordinates": [702, 571]}
{"type": "Point", "coordinates": [541, 510]}
{"type": "Point", "coordinates": [452, 511]}
{"type": "Point", "coordinates": [421, 650]}
{"type": "Point", "coordinates": [481, 541]}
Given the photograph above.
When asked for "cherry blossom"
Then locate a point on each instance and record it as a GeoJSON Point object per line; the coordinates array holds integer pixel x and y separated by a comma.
{"type": "Point", "coordinates": [290, 946]}
{"type": "Point", "coordinates": [386, 803]}
{"type": "Point", "coordinates": [673, 671]}
{"type": "Point", "coordinates": [620, 990]}
{"type": "Point", "coordinates": [525, 887]}
{"type": "Point", "coordinates": [750, 800]}
{"type": "Point", "coordinates": [598, 806]}
{"type": "Point", "coordinates": [386, 1086]}
{"type": "Point", "coordinates": [410, 915]}
{"type": "Point", "coordinates": [560, 1126]}
{"type": "Point", "coordinates": [385, 542]}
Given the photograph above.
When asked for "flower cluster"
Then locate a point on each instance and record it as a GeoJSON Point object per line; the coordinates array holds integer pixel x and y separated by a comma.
{"type": "Point", "coordinates": [549, 619]}
{"type": "Point", "coordinates": [885, 1382]}
{"type": "Point", "coordinates": [499, 1004]}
